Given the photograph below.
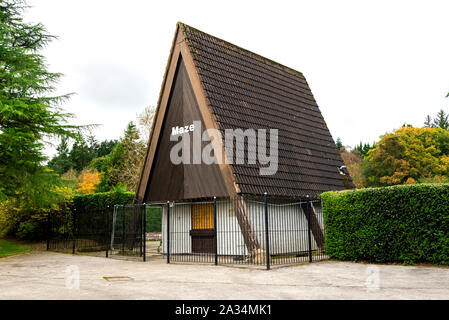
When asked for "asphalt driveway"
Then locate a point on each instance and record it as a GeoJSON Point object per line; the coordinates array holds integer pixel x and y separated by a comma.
{"type": "Point", "coordinates": [47, 275]}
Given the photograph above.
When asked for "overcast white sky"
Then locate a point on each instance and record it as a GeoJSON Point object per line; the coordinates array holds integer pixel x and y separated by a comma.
{"type": "Point", "coordinates": [371, 65]}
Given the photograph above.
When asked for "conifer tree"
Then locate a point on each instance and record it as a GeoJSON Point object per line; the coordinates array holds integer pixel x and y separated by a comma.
{"type": "Point", "coordinates": [29, 112]}
{"type": "Point", "coordinates": [428, 122]}
{"type": "Point", "coordinates": [62, 162]}
{"type": "Point", "coordinates": [122, 166]}
{"type": "Point", "coordinates": [441, 120]}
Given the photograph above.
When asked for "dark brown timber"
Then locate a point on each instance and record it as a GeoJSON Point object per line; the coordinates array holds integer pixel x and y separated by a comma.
{"type": "Point", "coordinates": [170, 181]}
{"type": "Point", "coordinates": [315, 227]}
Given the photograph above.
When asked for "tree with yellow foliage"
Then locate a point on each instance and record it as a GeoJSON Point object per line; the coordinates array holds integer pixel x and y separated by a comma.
{"type": "Point", "coordinates": [408, 155]}
{"type": "Point", "coordinates": [88, 181]}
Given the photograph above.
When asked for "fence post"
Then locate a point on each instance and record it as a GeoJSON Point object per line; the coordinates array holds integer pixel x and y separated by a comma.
{"type": "Point", "coordinates": [74, 231]}
{"type": "Point", "coordinates": [112, 227]}
{"type": "Point", "coordinates": [139, 211]}
{"type": "Point", "coordinates": [106, 236]}
{"type": "Point", "coordinates": [308, 228]}
{"type": "Point", "coordinates": [48, 231]}
{"type": "Point", "coordinates": [267, 237]}
{"type": "Point", "coordinates": [168, 231]}
{"type": "Point", "coordinates": [123, 229]}
{"type": "Point", "coordinates": [144, 232]}
{"type": "Point", "coordinates": [215, 231]}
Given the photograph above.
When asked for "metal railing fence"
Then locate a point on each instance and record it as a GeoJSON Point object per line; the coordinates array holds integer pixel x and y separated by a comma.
{"type": "Point", "coordinates": [247, 230]}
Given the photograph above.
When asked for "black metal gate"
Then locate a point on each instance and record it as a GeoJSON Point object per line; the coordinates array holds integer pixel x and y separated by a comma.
{"type": "Point", "coordinates": [122, 230]}
{"type": "Point", "coordinates": [135, 229]}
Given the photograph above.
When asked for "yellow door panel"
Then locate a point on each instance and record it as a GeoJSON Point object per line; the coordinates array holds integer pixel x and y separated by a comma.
{"type": "Point", "coordinates": [202, 216]}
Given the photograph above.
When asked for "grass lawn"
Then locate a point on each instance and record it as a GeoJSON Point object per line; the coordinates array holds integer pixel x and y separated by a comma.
{"type": "Point", "coordinates": [10, 247]}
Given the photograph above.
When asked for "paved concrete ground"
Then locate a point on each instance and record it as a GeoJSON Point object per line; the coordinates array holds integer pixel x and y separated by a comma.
{"type": "Point", "coordinates": [45, 275]}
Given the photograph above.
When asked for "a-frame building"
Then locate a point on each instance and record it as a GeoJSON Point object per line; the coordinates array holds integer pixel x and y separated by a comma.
{"type": "Point", "coordinates": [222, 86]}
{"type": "Point", "coordinates": [227, 87]}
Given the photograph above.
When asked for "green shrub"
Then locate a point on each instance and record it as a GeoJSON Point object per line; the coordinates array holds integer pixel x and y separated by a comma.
{"type": "Point", "coordinates": [27, 221]}
{"type": "Point", "coordinates": [102, 200]}
{"type": "Point", "coordinates": [406, 223]}
{"type": "Point", "coordinates": [34, 228]}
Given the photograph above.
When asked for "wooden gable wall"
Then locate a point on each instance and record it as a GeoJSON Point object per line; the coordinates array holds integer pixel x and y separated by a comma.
{"type": "Point", "coordinates": [168, 181]}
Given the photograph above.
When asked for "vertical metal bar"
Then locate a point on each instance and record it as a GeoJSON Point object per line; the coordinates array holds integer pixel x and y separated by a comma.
{"type": "Point", "coordinates": [296, 246]}
{"type": "Point", "coordinates": [48, 230]}
{"type": "Point", "coordinates": [139, 214]}
{"type": "Point", "coordinates": [308, 228]}
{"type": "Point", "coordinates": [215, 231]}
{"type": "Point", "coordinates": [267, 238]}
{"type": "Point", "coordinates": [144, 232]}
{"type": "Point", "coordinates": [106, 235]}
{"type": "Point", "coordinates": [168, 231]}
{"type": "Point", "coordinates": [123, 229]}
{"type": "Point", "coordinates": [73, 231]}
{"type": "Point", "coordinates": [112, 226]}
{"type": "Point", "coordinates": [285, 211]}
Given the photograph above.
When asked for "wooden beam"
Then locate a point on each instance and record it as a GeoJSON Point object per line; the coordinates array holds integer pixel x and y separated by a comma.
{"type": "Point", "coordinates": [315, 227]}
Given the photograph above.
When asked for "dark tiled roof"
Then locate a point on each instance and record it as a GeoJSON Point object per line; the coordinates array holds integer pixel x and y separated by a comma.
{"type": "Point", "coordinates": [246, 90]}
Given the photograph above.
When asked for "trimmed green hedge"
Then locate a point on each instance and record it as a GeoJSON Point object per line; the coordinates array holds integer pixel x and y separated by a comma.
{"type": "Point", "coordinates": [102, 200]}
{"type": "Point", "coordinates": [406, 223]}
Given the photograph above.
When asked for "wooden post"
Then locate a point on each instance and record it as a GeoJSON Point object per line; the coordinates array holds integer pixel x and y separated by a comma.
{"type": "Point", "coordinates": [317, 232]}
{"type": "Point", "coordinates": [248, 234]}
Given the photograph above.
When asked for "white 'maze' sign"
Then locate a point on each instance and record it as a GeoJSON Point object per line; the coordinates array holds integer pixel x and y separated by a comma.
{"type": "Point", "coordinates": [208, 146]}
{"type": "Point", "coordinates": [180, 130]}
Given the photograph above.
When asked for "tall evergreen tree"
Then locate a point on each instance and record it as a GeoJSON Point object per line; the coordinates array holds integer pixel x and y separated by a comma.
{"type": "Point", "coordinates": [62, 162]}
{"type": "Point", "coordinates": [105, 147]}
{"type": "Point", "coordinates": [339, 144]}
{"type": "Point", "coordinates": [122, 166]}
{"type": "Point", "coordinates": [441, 120]}
{"type": "Point", "coordinates": [29, 113]}
{"type": "Point", "coordinates": [363, 148]}
{"type": "Point", "coordinates": [81, 154]}
{"type": "Point", "coordinates": [428, 122]}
